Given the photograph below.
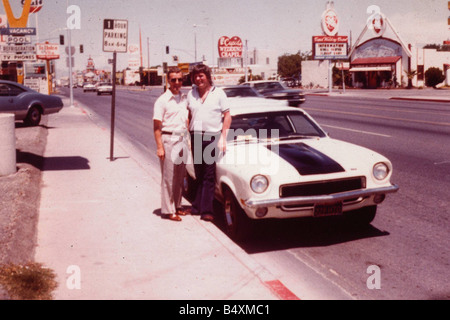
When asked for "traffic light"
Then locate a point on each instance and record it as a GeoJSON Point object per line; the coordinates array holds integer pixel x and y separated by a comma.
{"type": "Point", "coordinates": [81, 48]}
{"type": "Point", "coordinates": [167, 49]}
{"type": "Point", "coordinates": [61, 39]}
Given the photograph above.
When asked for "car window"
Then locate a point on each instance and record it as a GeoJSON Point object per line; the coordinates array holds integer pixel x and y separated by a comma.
{"type": "Point", "coordinates": [10, 90]}
{"type": "Point", "coordinates": [4, 91]}
{"type": "Point", "coordinates": [269, 86]}
{"type": "Point", "coordinates": [15, 91]}
{"type": "Point", "coordinates": [240, 92]}
{"type": "Point", "coordinates": [276, 124]}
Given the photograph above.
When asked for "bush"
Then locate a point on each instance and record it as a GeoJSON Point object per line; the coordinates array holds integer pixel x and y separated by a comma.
{"type": "Point", "coordinates": [434, 76]}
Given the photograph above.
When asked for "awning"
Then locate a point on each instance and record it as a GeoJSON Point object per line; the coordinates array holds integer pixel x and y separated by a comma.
{"type": "Point", "coordinates": [375, 60]}
{"type": "Point", "coordinates": [359, 69]}
{"type": "Point", "coordinates": [373, 64]}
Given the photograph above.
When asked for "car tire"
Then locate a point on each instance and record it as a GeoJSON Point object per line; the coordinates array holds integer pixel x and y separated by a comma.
{"type": "Point", "coordinates": [363, 216]}
{"type": "Point", "coordinates": [238, 226]}
{"type": "Point", "coordinates": [33, 117]}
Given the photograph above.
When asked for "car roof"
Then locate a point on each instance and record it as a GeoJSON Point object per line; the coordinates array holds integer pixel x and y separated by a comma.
{"type": "Point", "coordinates": [240, 106]}
{"type": "Point", "coordinates": [261, 81]}
{"type": "Point", "coordinates": [17, 84]}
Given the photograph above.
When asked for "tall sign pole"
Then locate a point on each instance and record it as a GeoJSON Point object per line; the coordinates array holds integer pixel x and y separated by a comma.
{"type": "Point", "coordinates": [115, 39]}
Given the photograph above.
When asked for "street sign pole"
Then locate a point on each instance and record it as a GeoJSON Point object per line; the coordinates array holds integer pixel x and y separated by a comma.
{"type": "Point", "coordinates": [115, 39]}
{"type": "Point", "coordinates": [113, 107]}
{"type": "Point", "coordinates": [70, 67]}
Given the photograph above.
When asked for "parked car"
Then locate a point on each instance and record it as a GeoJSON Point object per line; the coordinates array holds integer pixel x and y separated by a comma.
{"type": "Point", "coordinates": [87, 86]}
{"type": "Point", "coordinates": [280, 164]}
{"type": "Point", "coordinates": [276, 90]}
{"type": "Point", "coordinates": [27, 104]}
{"type": "Point", "coordinates": [104, 87]}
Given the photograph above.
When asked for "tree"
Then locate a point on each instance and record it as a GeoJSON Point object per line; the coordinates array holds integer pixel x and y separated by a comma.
{"type": "Point", "coordinates": [434, 76]}
{"type": "Point", "coordinates": [290, 65]}
{"type": "Point", "coordinates": [410, 75]}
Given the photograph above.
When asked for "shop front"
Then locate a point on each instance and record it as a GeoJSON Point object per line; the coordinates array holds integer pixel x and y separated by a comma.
{"type": "Point", "coordinates": [376, 72]}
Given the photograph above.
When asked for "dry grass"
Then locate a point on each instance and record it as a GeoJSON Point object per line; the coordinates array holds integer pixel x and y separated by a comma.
{"type": "Point", "coordinates": [28, 282]}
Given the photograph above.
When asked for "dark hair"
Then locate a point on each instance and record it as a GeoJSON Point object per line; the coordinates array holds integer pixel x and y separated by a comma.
{"type": "Point", "coordinates": [201, 68]}
{"type": "Point", "coordinates": [173, 70]}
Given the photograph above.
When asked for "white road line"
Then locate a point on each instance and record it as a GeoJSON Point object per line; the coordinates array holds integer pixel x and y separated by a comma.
{"type": "Point", "coordinates": [358, 131]}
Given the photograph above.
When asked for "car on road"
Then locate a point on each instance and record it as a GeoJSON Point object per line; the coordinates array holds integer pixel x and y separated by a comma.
{"type": "Point", "coordinates": [280, 164]}
{"type": "Point", "coordinates": [250, 96]}
{"type": "Point", "coordinates": [104, 87]}
{"type": "Point", "coordinates": [276, 90]}
{"type": "Point", "coordinates": [27, 104]}
{"type": "Point", "coordinates": [88, 86]}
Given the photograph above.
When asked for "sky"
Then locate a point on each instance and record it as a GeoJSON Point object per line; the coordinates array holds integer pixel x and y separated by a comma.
{"type": "Point", "coordinates": [187, 26]}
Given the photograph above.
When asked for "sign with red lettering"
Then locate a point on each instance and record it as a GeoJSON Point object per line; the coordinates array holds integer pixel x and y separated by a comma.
{"type": "Point", "coordinates": [330, 47]}
{"type": "Point", "coordinates": [47, 51]}
{"type": "Point", "coordinates": [230, 47]}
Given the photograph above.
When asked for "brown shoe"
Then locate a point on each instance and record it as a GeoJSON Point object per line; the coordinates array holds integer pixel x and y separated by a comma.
{"type": "Point", "coordinates": [182, 212]}
{"type": "Point", "coordinates": [174, 217]}
{"type": "Point", "coordinates": [207, 217]}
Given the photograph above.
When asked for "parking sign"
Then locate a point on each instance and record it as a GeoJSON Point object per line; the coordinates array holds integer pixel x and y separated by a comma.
{"type": "Point", "coordinates": [115, 35]}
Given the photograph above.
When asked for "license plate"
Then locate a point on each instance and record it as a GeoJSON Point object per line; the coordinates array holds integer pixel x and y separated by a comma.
{"type": "Point", "coordinates": [323, 210]}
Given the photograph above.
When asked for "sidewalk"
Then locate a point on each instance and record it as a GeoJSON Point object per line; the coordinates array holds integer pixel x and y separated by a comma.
{"type": "Point", "coordinates": [99, 226]}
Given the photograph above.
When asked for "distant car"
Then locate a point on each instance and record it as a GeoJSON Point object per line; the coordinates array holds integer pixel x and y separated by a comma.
{"type": "Point", "coordinates": [87, 86]}
{"type": "Point", "coordinates": [241, 91]}
{"type": "Point", "coordinates": [104, 87]}
{"type": "Point", "coordinates": [279, 164]}
{"type": "Point", "coordinates": [276, 90]}
{"type": "Point", "coordinates": [250, 96]}
{"type": "Point", "coordinates": [27, 104]}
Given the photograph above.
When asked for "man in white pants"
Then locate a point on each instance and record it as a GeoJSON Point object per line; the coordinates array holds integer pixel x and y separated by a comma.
{"type": "Point", "coordinates": [170, 121]}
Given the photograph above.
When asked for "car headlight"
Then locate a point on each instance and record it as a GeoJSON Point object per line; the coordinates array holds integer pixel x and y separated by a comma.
{"type": "Point", "coordinates": [380, 171]}
{"type": "Point", "coordinates": [259, 184]}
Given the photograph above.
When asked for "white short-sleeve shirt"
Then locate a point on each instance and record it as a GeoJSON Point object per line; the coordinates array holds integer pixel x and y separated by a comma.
{"type": "Point", "coordinates": [207, 115]}
{"type": "Point", "coordinates": [171, 111]}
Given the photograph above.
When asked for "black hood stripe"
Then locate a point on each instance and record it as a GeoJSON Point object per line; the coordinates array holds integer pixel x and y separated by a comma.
{"type": "Point", "coordinates": [306, 159]}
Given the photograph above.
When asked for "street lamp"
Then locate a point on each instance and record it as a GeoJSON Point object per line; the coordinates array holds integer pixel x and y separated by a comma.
{"type": "Point", "coordinates": [195, 37]}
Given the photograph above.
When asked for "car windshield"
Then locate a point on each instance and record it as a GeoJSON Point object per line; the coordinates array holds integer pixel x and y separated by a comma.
{"type": "Point", "coordinates": [269, 86]}
{"type": "Point", "coordinates": [105, 84]}
{"type": "Point", "coordinates": [282, 125]}
{"type": "Point", "coordinates": [240, 92]}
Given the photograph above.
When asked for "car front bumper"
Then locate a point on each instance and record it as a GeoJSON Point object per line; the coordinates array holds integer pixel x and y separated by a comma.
{"type": "Point", "coordinates": [320, 199]}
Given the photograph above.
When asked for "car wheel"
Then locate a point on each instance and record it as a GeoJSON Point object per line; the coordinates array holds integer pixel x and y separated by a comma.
{"type": "Point", "coordinates": [238, 226]}
{"type": "Point", "coordinates": [33, 117]}
{"type": "Point", "coordinates": [363, 216]}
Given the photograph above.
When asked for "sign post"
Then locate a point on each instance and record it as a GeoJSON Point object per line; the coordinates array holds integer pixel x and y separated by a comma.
{"type": "Point", "coordinates": [115, 39]}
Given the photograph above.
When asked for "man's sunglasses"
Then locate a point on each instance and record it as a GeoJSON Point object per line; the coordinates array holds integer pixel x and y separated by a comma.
{"type": "Point", "coordinates": [173, 80]}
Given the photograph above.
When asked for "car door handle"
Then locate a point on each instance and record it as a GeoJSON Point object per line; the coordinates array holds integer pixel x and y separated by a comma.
{"type": "Point", "coordinates": [11, 100]}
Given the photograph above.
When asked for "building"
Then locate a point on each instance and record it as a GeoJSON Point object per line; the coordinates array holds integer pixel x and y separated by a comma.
{"type": "Point", "coordinates": [380, 58]}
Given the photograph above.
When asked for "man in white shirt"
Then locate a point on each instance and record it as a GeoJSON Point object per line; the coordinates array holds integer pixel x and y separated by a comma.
{"type": "Point", "coordinates": [170, 120]}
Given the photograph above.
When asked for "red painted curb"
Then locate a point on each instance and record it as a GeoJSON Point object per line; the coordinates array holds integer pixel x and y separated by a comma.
{"type": "Point", "coordinates": [280, 290]}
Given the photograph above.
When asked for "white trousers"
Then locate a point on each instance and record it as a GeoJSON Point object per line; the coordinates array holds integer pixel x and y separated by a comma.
{"type": "Point", "coordinates": [173, 170]}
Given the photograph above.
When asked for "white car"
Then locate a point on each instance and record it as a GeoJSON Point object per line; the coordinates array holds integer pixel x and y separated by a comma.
{"type": "Point", "coordinates": [87, 86]}
{"type": "Point", "coordinates": [280, 164]}
{"type": "Point", "coordinates": [104, 87]}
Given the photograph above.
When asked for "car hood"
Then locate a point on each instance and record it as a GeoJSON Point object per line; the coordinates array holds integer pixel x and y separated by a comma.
{"type": "Point", "coordinates": [300, 159]}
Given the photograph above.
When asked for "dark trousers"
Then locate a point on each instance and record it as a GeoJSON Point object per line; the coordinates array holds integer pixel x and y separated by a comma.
{"type": "Point", "coordinates": [204, 151]}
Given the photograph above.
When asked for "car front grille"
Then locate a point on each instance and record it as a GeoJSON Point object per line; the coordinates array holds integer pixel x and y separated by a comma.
{"type": "Point", "coordinates": [322, 187]}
